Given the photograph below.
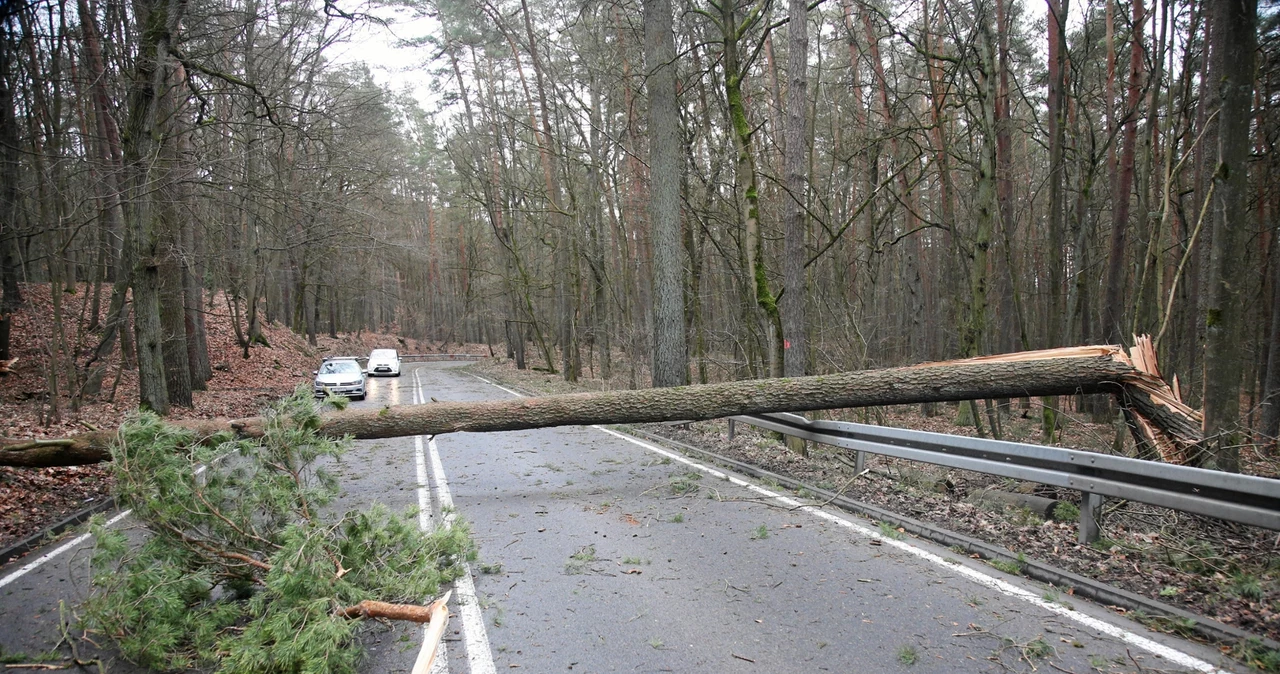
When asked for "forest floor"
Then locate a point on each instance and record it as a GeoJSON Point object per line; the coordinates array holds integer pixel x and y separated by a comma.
{"type": "Point", "coordinates": [1224, 571]}
{"type": "Point", "coordinates": [33, 499]}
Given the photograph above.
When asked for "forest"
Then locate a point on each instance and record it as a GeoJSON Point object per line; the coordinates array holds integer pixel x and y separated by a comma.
{"type": "Point", "coordinates": [653, 193]}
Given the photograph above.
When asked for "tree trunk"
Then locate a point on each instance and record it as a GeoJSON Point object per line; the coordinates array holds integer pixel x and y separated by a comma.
{"type": "Point", "coordinates": [193, 293]}
{"type": "Point", "coordinates": [1114, 301]}
{"type": "Point", "coordinates": [173, 314]}
{"type": "Point", "coordinates": [918, 305]}
{"type": "Point", "coordinates": [1269, 424]}
{"type": "Point", "coordinates": [973, 332]}
{"type": "Point", "coordinates": [1232, 71]}
{"type": "Point", "coordinates": [10, 297]}
{"type": "Point", "coordinates": [170, 251]}
{"type": "Point", "coordinates": [1057, 168]}
{"type": "Point", "coordinates": [795, 324]}
{"type": "Point", "coordinates": [1093, 369]}
{"type": "Point", "coordinates": [736, 67]}
{"type": "Point", "coordinates": [157, 21]}
{"type": "Point", "coordinates": [566, 301]}
{"type": "Point", "coordinates": [670, 351]}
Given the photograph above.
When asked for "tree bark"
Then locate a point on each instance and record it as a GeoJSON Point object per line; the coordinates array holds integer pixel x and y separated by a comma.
{"type": "Point", "coordinates": [10, 296]}
{"type": "Point", "coordinates": [170, 251]}
{"type": "Point", "coordinates": [1232, 71]}
{"type": "Point", "coordinates": [1117, 256]}
{"type": "Point", "coordinates": [670, 350]}
{"type": "Point", "coordinates": [795, 323]}
{"type": "Point", "coordinates": [1057, 168]}
{"type": "Point", "coordinates": [736, 67]}
{"type": "Point", "coordinates": [193, 292]}
{"type": "Point", "coordinates": [1092, 369]}
{"type": "Point", "coordinates": [157, 22]}
{"type": "Point", "coordinates": [566, 301]}
{"type": "Point", "coordinates": [1270, 413]}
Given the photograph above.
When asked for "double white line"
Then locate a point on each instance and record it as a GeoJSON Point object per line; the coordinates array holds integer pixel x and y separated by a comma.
{"type": "Point", "coordinates": [474, 635]}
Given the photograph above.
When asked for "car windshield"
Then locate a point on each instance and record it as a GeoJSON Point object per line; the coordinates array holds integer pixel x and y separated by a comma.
{"type": "Point", "coordinates": [382, 353]}
{"type": "Point", "coordinates": [339, 367]}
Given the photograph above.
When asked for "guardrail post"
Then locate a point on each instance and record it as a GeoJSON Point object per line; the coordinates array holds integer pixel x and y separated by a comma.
{"type": "Point", "coordinates": [859, 462]}
{"type": "Point", "coordinates": [732, 428]}
{"type": "Point", "coordinates": [1090, 504]}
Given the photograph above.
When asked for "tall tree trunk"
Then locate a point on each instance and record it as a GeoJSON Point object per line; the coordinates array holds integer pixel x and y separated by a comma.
{"type": "Point", "coordinates": [167, 174]}
{"type": "Point", "coordinates": [795, 324]}
{"type": "Point", "coordinates": [975, 324]}
{"type": "Point", "coordinates": [1270, 417]}
{"type": "Point", "coordinates": [193, 294]}
{"type": "Point", "coordinates": [1117, 256]}
{"type": "Point", "coordinates": [10, 295]}
{"type": "Point", "coordinates": [110, 159]}
{"type": "Point", "coordinates": [918, 305]}
{"type": "Point", "coordinates": [736, 65]}
{"type": "Point", "coordinates": [601, 335]}
{"type": "Point", "coordinates": [566, 301]}
{"type": "Point", "coordinates": [670, 351]}
{"type": "Point", "coordinates": [1057, 169]}
{"type": "Point", "coordinates": [1145, 301]}
{"type": "Point", "coordinates": [1232, 74]}
{"type": "Point", "coordinates": [1008, 316]}
{"type": "Point", "coordinates": [157, 21]}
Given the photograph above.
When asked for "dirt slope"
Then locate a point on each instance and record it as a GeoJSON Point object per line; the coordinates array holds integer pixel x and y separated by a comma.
{"type": "Point", "coordinates": [32, 499]}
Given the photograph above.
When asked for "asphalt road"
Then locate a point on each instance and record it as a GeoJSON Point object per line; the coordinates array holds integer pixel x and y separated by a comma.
{"type": "Point", "coordinates": [603, 553]}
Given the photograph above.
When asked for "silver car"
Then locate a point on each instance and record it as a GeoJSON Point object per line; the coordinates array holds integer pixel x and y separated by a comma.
{"type": "Point", "coordinates": [340, 376]}
{"type": "Point", "coordinates": [384, 362]}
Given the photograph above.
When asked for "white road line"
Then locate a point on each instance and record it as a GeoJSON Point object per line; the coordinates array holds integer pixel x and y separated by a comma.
{"type": "Point", "coordinates": [32, 566]}
{"type": "Point", "coordinates": [37, 563]}
{"type": "Point", "coordinates": [441, 663]}
{"type": "Point", "coordinates": [474, 634]}
{"type": "Point", "coordinates": [499, 387]}
{"type": "Point", "coordinates": [1171, 654]}
{"type": "Point", "coordinates": [1004, 587]}
{"type": "Point", "coordinates": [419, 457]}
{"type": "Point", "coordinates": [424, 495]}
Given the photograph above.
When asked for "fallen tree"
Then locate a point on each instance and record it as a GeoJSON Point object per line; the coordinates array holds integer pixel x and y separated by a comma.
{"type": "Point", "coordinates": [1161, 420]}
{"type": "Point", "coordinates": [245, 566]}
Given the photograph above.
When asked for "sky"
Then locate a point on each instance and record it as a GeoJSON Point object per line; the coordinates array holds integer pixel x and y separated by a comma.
{"type": "Point", "coordinates": [395, 65]}
{"type": "Point", "coordinates": [402, 67]}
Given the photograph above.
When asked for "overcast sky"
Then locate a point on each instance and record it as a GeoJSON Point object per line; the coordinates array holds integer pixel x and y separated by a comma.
{"type": "Point", "coordinates": [402, 67]}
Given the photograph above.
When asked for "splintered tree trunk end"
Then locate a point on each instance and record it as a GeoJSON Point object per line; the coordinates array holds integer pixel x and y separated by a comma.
{"type": "Point", "coordinates": [1154, 411]}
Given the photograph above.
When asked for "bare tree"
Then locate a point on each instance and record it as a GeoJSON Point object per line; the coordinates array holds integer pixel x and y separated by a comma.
{"type": "Point", "coordinates": [670, 353]}
{"type": "Point", "coordinates": [1232, 71]}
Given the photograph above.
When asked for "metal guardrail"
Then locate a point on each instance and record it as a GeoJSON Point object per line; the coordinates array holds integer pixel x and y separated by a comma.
{"type": "Point", "coordinates": [1245, 499]}
{"type": "Point", "coordinates": [432, 357]}
{"type": "Point", "coordinates": [418, 357]}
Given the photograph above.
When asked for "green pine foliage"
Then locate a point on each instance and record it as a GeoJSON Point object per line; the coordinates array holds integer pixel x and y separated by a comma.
{"type": "Point", "coordinates": [240, 567]}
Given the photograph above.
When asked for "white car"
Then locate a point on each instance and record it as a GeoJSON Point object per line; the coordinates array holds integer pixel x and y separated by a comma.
{"type": "Point", "coordinates": [384, 362]}
{"type": "Point", "coordinates": [340, 376]}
